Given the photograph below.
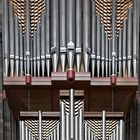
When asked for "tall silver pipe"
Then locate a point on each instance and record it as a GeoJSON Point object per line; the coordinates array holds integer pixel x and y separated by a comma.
{"type": "Point", "coordinates": [26, 133]}
{"type": "Point", "coordinates": [103, 125]}
{"type": "Point", "coordinates": [54, 34]}
{"type": "Point", "coordinates": [103, 50]}
{"type": "Point", "coordinates": [58, 131]}
{"type": "Point", "coordinates": [6, 36]}
{"type": "Point", "coordinates": [120, 53]}
{"type": "Point", "coordinates": [22, 130]}
{"type": "Point", "coordinates": [124, 48]}
{"type": "Point", "coordinates": [121, 135]}
{"type": "Point", "coordinates": [117, 132]}
{"type": "Point", "coordinates": [72, 114]}
{"type": "Point", "coordinates": [43, 43]}
{"type": "Point", "coordinates": [93, 36]}
{"type": "Point", "coordinates": [16, 46]}
{"type": "Point", "coordinates": [86, 33]}
{"type": "Point", "coordinates": [38, 49]}
{"type": "Point", "coordinates": [21, 50]}
{"type": "Point", "coordinates": [86, 134]}
{"type": "Point", "coordinates": [78, 34]}
{"type": "Point", "coordinates": [63, 123]}
{"type": "Point", "coordinates": [106, 54]}
{"type": "Point", "coordinates": [12, 53]}
{"type": "Point", "coordinates": [31, 56]}
{"type": "Point", "coordinates": [63, 34]}
{"type": "Point", "coordinates": [28, 36]}
{"type": "Point", "coordinates": [34, 52]}
{"type": "Point", "coordinates": [48, 37]}
{"type": "Point", "coordinates": [116, 58]}
{"type": "Point", "coordinates": [89, 136]}
{"type": "Point", "coordinates": [81, 124]}
{"type": "Point", "coordinates": [98, 45]}
{"type": "Point", "coordinates": [70, 32]}
{"type": "Point", "coordinates": [129, 42]}
{"type": "Point", "coordinates": [135, 49]}
{"type": "Point", "coordinates": [76, 128]}
{"type": "Point", "coordinates": [67, 127]}
{"type": "Point", "coordinates": [54, 135]}
{"type": "Point", "coordinates": [113, 35]}
{"type": "Point", "coordinates": [24, 47]}
{"type": "Point", "coordinates": [110, 53]}
{"type": "Point", "coordinates": [40, 125]}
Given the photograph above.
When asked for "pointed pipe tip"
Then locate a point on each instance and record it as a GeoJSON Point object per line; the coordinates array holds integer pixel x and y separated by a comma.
{"type": "Point", "coordinates": [70, 75]}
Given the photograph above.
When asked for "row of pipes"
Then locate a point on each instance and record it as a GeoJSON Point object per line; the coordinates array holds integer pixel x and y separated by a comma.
{"type": "Point", "coordinates": [70, 34]}
{"type": "Point", "coordinates": [72, 126]}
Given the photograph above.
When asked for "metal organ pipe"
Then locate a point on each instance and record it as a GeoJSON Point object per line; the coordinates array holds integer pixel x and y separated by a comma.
{"type": "Point", "coordinates": [43, 44]}
{"type": "Point", "coordinates": [129, 44]}
{"type": "Point", "coordinates": [12, 54]}
{"type": "Point", "coordinates": [98, 46]}
{"type": "Point", "coordinates": [93, 36]}
{"type": "Point", "coordinates": [72, 114]}
{"type": "Point", "coordinates": [28, 36]}
{"type": "Point", "coordinates": [70, 32]}
{"type": "Point", "coordinates": [113, 35]}
{"type": "Point", "coordinates": [21, 51]}
{"type": "Point", "coordinates": [63, 34]}
{"type": "Point", "coordinates": [48, 37]}
{"type": "Point", "coordinates": [6, 36]}
{"type": "Point", "coordinates": [103, 126]}
{"type": "Point", "coordinates": [16, 46]}
{"type": "Point", "coordinates": [78, 34]}
{"type": "Point", "coordinates": [86, 33]}
{"type": "Point", "coordinates": [54, 34]}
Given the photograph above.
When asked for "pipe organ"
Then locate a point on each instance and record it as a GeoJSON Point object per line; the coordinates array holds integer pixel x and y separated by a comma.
{"type": "Point", "coordinates": [70, 68]}
{"type": "Point", "coordinates": [87, 36]}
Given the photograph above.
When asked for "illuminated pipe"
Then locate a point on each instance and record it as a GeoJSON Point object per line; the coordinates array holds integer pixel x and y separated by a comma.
{"type": "Point", "coordinates": [48, 37]}
{"type": "Point", "coordinates": [76, 128]}
{"type": "Point", "coordinates": [93, 55]}
{"type": "Point", "coordinates": [31, 56]}
{"type": "Point", "coordinates": [72, 114]}
{"type": "Point", "coordinates": [81, 124]}
{"type": "Point", "coordinates": [28, 36]}
{"type": "Point", "coordinates": [103, 50]}
{"type": "Point", "coordinates": [40, 125]}
{"type": "Point", "coordinates": [63, 34]}
{"type": "Point", "coordinates": [43, 44]}
{"type": "Point", "coordinates": [12, 54]}
{"type": "Point", "coordinates": [67, 127]}
{"type": "Point", "coordinates": [98, 46]}
{"type": "Point", "coordinates": [63, 123]}
{"type": "Point", "coordinates": [70, 32]}
{"type": "Point", "coordinates": [129, 42]}
{"type": "Point", "coordinates": [34, 52]}
{"type": "Point", "coordinates": [16, 46]}
{"type": "Point", "coordinates": [6, 36]}
{"type": "Point", "coordinates": [106, 54]}
{"type": "Point", "coordinates": [124, 48]}
{"type": "Point", "coordinates": [21, 51]}
{"type": "Point", "coordinates": [86, 134]}
{"type": "Point", "coordinates": [135, 49]}
{"type": "Point", "coordinates": [103, 126]}
{"type": "Point", "coordinates": [54, 34]}
{"type": "Point", "coordinates": [113, 35]}
{"type": "Point", "coordinates": [78, 34]}
{"type": "Point", "coordinates": [120, 53]}
{"type": "Point", "coordinates": [38, 49]}
{"type": "Point", "coordinates": [86, 34]}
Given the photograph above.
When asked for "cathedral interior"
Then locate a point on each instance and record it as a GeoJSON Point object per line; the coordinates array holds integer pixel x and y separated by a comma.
{"type": "Point", "coordinates": [69, 70]}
